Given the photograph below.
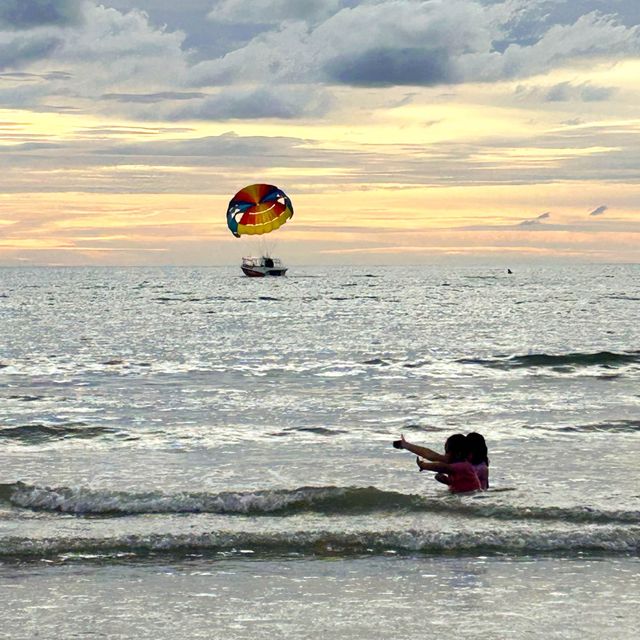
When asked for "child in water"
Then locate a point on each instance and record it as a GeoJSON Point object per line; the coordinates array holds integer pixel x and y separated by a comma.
{"type": "Point", "coordinates": [464, 465]}
{"type": "Point", "coordinates": [479, 457]}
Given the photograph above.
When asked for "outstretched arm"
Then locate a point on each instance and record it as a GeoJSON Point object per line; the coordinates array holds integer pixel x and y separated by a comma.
{"type": "Point", "coordinates": [423, 452]}
{"type": "Point", "coordinates": [439, 467]}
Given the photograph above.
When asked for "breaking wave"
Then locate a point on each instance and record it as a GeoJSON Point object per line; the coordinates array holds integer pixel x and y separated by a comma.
{"type": "Point", "coordinates": [40, 433]}
{"type": "Point", "coordinates": [335, 543]}
{"type": "Point", "coordinates": [606, 359]}
{"type": "Point", "coordinates": [346, 501]}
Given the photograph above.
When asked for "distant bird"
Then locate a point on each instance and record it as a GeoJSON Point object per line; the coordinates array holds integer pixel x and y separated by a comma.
{"type": "Point", "coordinates": [509, 271]}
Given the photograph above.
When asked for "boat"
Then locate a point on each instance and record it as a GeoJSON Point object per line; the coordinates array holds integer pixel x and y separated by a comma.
{"type": "Point", "coordinates": [259, 267]}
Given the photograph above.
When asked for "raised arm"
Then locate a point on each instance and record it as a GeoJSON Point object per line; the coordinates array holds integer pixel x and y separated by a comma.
{"type": "Point", "coordinates": [423, 452]}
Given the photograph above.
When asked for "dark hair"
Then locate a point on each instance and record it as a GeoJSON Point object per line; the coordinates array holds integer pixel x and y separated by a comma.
{"type": "Point", "coordinates": [457, 448]}
{"type": "Point", "coordinates": [477, 448]}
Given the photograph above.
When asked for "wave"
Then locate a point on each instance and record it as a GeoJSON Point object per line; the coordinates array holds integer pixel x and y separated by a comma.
{"type": "Point", "coordinates": [416, 365]}
{"type": "Point", "coordinates": [39, 433]}
{"type": "Point", "coordinates": [322, 431]}
{"type": "Point", "coordinates": [610, 540]}
{"type": "Point", "coordinates": [622, 297]}
{"type": "Point", "coordinates": [328, 500]}
{"type": "Point", "coordinates": [26, 398]}
{"type": "Point", "coordinates": [377, 362]}
{"type": "Point", "coordinates": [407, 365]}
{"type": "Point", "coordinates": [599, 359]}
{"type": "Point", "coordinates": [615, 426]}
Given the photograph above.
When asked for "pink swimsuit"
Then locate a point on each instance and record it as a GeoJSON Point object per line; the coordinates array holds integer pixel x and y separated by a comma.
{"type": "Point", "coordinates": [463, 478]}
{"type": "Point", "coordinates": [482, 471]}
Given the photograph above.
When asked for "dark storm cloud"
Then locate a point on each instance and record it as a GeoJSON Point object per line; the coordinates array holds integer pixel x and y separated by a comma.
{"type": "Point", "coordinates": [392, 66]}
{"type": "Point", "coordinates": [27, 14]}
{"type": "Point", "coordinates": [599, 210]}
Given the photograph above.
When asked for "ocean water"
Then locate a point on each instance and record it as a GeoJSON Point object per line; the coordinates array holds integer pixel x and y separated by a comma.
{"type": "Point", "coordinates": [188, 453]}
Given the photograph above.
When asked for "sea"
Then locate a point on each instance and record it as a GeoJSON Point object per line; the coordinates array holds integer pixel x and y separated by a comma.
{"type": "Point", "coordinates": [190, 453]}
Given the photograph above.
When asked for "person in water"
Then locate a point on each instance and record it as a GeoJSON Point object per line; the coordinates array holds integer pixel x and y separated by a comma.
{"type": "Point", "coordinates": [479, 457]}
{"type": "Point", "coordinates": [453, 468]}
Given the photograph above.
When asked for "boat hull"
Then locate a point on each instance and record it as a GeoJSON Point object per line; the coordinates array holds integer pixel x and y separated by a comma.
{"type": "Point", "coordinates": [261, 272]}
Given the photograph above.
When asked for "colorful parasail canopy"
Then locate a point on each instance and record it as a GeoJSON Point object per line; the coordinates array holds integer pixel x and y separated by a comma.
{"type": "Point", "coordinates": [258, 209]}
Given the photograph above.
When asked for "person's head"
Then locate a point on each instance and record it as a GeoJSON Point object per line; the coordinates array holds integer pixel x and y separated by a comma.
{"type": "Point", "coordinates": [456, 447]}
{"type": "Point", "coordinates": [477, 448]}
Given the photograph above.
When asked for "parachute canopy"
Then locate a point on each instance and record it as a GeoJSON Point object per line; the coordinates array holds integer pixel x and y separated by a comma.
{"type": "Point", "coordinates": [258, 209]}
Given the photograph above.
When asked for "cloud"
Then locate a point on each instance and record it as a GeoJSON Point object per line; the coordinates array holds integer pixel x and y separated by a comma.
{"type": "Point", "coordinates": [160, 96]}
{"type": "Point", "coordinates": [138, 55]}
{"type": "Point", "coordinates": [32, 77]}
{"type": "Point", "coordinates": [273, 11]}
{"type": "Point", "coordinates": [405, 100]}
{"type": "Point", "coordinates": [124, 130]}
{"type": "Point", "coordinates": [388, 67]}
{"type": "Point", "coordinates": [27, 14]}
{"type": "Point", "coordinates": [303, 47]}
{"type": "Point", "coordinates": [213, 164]}
{"type": "Point", "coordinates": [535, 221]}
{"type": "Point", "coordinates": [283, 102]}
{"type": "Point", "coordinates": [406, 42]}
{"type": "Point", "coordinates": [592, 36]}
{"type": "Point", "coordinates": [226, 149]}
{"type": "Point", "coordinates": [17, 51]}
{"type": "Point", "coordinates": [591, 93]}
{"type": "Point", "coordinates": [562, 12]}
{"type": "Point", "coordinates": [110, 52]}
{"type": "Point", "coordinates": [399, 42]}
{"type": "Point", "coordinates": [599, 210]}
{"type": "Point", "coordinates": [86, 163]}
{"type": "Point", "coordinates": [112, 162]}
{"type": "Point", "coordinates": [585, 92]}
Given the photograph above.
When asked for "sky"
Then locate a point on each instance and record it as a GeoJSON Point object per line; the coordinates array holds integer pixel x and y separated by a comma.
{"type": "Point", "coordinates": [404, 131]}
